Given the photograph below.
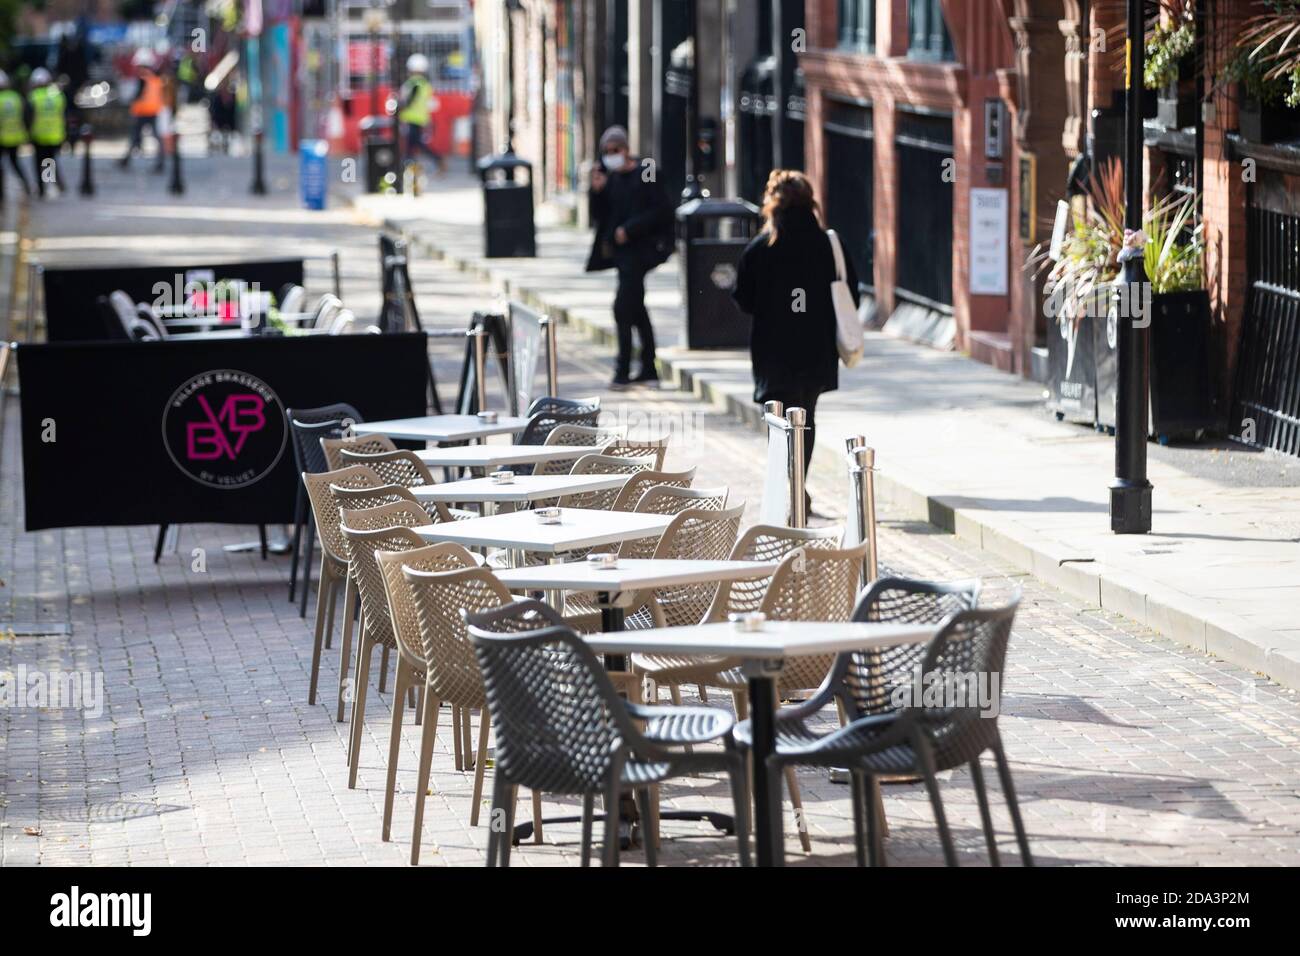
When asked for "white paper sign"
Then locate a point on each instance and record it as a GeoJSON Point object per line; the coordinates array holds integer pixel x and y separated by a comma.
{"type": "Point", "coordinates": [989, 252]}
{"type": "Point", "coordinates": [1059, 225]}
{"type": "Point", "coordinates": [776, 480]}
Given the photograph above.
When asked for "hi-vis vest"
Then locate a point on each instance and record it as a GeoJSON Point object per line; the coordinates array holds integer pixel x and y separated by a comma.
{"type": "Point", "coordinates": [417, 112]}
{"type": "Point", "coordinates": [150, 102]}
{"type": "Point", "coordinates": [47, 116]}
{"type": "Point", "coordinates": [13, 131]}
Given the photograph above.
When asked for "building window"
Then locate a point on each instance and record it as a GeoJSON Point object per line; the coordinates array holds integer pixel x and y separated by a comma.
{"type": "Point", "coordinates": [927, 34]}
{"type": "Point", "coordinates": [857, 25]}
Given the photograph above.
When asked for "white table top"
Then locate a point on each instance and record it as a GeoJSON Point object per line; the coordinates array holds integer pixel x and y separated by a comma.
{"type": "Point", "coordinates": [441, 427]}
{"type": "Point", "coordinates": [523, 488]}
{"type": "Point", "coordinates": [631, 574]}
{"type": "Point", "coordinates": [500, 456]}
{"type": "Point", "coordinates": [578, 528]}
{"type": "Point", "coordinates": [777, 639]}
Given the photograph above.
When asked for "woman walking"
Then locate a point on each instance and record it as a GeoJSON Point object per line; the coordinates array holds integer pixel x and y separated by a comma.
{"type": "Point", "coordinates": [784, 282]}
{"type": "Point", "coordinates": [634, 222]}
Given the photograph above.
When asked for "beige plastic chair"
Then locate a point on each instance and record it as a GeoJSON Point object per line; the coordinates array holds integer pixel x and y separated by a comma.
{"type": "Point", "coordinates": [362, 498]}
{"type": "Point", "coordinates": [638, 484]}
{"type": "Point", "coordinates": [385, 528]}
{"type": "Point", "coordinates": [815, 581]}
{"type": "Point", "coordinates": [697, 534]}
{"type": "Point", "coordinates": [567, 434]}
{"type": "Point", "coordinates": [452, 672]}
{"type": "Point", "coordinates": [603, 465]}
{"type": "Point", "coordinates": [413, 668]}
{"type": "Point", "coordinates": [637, 447]}
{"type": "Point", "coordinates": [362, 444]}
{"type": "Point", "coordinates": [334, 564]}
{"type": "Point", "coordinates": [398, 467]}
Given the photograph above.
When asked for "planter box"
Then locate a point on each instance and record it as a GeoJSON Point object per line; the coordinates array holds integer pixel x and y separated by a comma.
{"type": "Point", "coordinates": [1176, 106]}
{"type": "Point", "coordinates": [1260, 123]}
{"type": "Point", "coordinates": [1181, 395]}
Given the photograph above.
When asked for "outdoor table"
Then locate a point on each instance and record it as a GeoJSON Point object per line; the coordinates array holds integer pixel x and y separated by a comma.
{"type": "Point", "coordinates": [519, 531]}
{"type": "Point", "coordinates": [763, 653]}
{"type": "Point", "coordinates": [494, 457]}
{"type": "Point", "coordinates": [615, 589]}
{"type": "Point", "coordinates": [521, 490]}
{"type": "Point", "coordinates": [442, 428]}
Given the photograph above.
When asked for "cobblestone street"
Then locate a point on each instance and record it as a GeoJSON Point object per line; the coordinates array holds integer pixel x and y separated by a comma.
{"type": "Point", "coordinates": [1125, 748]}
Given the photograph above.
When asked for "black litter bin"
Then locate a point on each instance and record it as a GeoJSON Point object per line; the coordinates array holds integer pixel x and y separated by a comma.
{"type": "Point", "coordinates": [382, 174]}
{"type": "Point", "coordinates": [711, 234]}
{"type": "Point", "coordinates": [508, 230]}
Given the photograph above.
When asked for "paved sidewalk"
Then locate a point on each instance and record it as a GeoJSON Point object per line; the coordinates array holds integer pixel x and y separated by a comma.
{"type": "Point", "coordinates": [1125, 748]}
{"type": "Point", "coordinates": [974, 451]}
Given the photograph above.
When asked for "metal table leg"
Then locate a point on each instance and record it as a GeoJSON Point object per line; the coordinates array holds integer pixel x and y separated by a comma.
{"type": "Point", "coordinates": [768, 836]}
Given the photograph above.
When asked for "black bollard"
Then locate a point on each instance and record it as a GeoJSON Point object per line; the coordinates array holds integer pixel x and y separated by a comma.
{"type": "Point", "coordinates": [87, 170]}
{"type": "Point", "coordinates": [177, 186]}
{"type": "Point", "coordinates": [259, 178]}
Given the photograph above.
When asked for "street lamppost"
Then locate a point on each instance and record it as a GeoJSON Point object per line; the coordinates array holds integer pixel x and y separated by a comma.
{"type": "Point", "coordinates": [511, 7]}
{"type": "Point", "coordinates": [1130, 492]}
{"type": "Point", "coordinates": [693, 189]}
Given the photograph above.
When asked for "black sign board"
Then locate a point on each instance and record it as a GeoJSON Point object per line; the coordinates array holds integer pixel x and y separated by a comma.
{"type": "Point", "coordinates": [192, 432]}
{"type": "Point", "coordinates": [71, 314]}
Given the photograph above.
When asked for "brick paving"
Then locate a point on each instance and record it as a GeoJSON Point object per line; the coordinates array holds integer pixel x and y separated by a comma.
{"type": "Point", "coordinates": [1125, 748]}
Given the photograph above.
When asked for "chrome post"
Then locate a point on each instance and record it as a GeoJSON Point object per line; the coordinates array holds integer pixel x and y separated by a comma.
{"type": "Point", "coordinates": [338, 281]}
{"type": "Point", "coordinates": [798, 422]}
{"type": "Point", "coordinates": [34, 272]}
{"type": "Point", "coordinates": [862, 467]}
{"type": "Point", "coordinates": [552, 358]}
{"type": "Point", "coordinates": [480, 365]}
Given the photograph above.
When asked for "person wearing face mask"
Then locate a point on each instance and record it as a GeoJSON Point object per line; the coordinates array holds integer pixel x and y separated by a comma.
{"type": "Point", "coordinates": [633, 219]}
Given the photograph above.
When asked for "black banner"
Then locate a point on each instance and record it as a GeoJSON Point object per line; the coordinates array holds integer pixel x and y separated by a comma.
{"type": "Point", "coordinates": [71, 314]}
{"type": "Point", "coordinates": [130, 433]}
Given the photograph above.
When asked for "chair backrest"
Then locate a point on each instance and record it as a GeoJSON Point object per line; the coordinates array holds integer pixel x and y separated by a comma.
{"type": "Point", "coordinates": [398, 467]}
{"type": "Point", "coordinates": [813, 584]}
{"type": "Point", "coordinates": [292, 299]}
{"type": "Point", "coordinates": [765, 542]}
{"type": "Point", "coordinates": [701, 535]}
{"type": "Point", "coordinates": [443, 556]}
{"type": "Point", "coordinates": [440, 598]}
{"type": "Point", "coordinates": [363, 444]}
{"type": "Point", "coordinates": [326, 309]}
{"type": "Point", "coordinates": [325, 507]}
{"type": "Point", "coordinates": [363, 545]}
{"type": "Point", "coordinates": [547, 412]}
{"type": "Point", "coordinates": [557, 717]}
{"type": "Point", "coordinates": [522, 614]}
{"type": "Point", "coordinates": [602, 465]}
{"type": "Point", "coordinates": [671, 500]}
{"type": "Point", "coordinates": [358, 499]}
{"type": "Point", "coordinates": [141, 330]}
{"type": "Point", "coordinates": [637, 485]}
{"type": "Point", "coordinates": [966, 662]}
{"type": "Point", "coordinates": [343, 322]}
{"type": "Point", "coordinates": [145, 313]}
{"type": "Point", "coordinates": [123, 307]}
{"type": "Point", "coordinates": [596, 438]}
{"type": "Point", "coordinates": [866, 681]}
{"type": "Point", "coordinates": [309, 425]}
{"type": "Point", "coordinates": [637, 447]}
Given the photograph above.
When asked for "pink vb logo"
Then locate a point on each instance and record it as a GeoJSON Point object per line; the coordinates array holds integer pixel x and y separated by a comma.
{"type": "Point", "coordinates": [224, 428]}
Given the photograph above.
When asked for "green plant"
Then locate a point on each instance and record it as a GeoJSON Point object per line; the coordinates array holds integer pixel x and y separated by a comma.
{"type": "Point", "coordinates": [1173, 259]}
{"type": "Point", "coordinates": [1267, 58]}
{"type": "Point", "coordinates": [1166, 46]}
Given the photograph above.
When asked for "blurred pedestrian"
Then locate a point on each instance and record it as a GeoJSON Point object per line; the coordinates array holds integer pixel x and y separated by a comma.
{"type": "Point", "coordinates": [783, 280]}
{"type": "Point", "coordinates": [634, 220]}
{"type": "Point", "coordinates": [13, 132]}
{"type": "Point", "coordinates": [221, 113]}
{"type": "Point", "coordinates": [145, 107]}
{"type": "Point", "coordinates": [48, 126]}
{"type": "Point", "coordinates": [415, 111]}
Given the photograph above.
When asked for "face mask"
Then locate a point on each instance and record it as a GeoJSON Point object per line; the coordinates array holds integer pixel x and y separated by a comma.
{"type": "Point", "coordinates": [613, 161]}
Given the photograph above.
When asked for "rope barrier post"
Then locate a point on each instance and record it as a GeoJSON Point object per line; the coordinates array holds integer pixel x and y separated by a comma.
{"type": "Point", "coordinates": [334, 265]}
{"type": "Point", "coordinates": [552, 357]}
{"type": "Point", "coordinates": [480, 366]}
{"type": "Point", "coordinates": [35, 272]}
{"type": "Point", "coordinates": [862, 466]}
{"type": "Point", "coordinates": [177, 186]}
{"type": "Point", "coordinates": [87, 171]}
{"type": "Point", "coordinates": [798, 422]}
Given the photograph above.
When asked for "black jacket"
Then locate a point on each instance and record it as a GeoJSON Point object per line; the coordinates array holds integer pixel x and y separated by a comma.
{"type": "Point", "coordinates": [642, 208]}
{"type": "Point", "coordinates": [791, 349]}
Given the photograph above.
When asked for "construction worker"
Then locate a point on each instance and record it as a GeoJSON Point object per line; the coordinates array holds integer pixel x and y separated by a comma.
{"type": "Point", "coordinates": [146, 106]}
{"type": "Point", "coordinates": [48, 127]}
{"type": "Point", "coordinates": [13, 132]}
{"type": "Point", "coordinates": [416, 109]}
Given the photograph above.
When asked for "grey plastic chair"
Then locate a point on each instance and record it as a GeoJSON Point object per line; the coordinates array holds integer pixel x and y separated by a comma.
{"type": "Point", "coordinates": [915, 739]}
{"type": "Point", "coordinates": [561, 727]}
{"type": "Point", "coordinates": [547, 413]}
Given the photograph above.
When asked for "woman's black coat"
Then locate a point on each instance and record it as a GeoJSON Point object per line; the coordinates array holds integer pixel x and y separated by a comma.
{"type": "Point", "coordinates": [791, 350]}
{"type": "Point", "coordinates": [643, 209]}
